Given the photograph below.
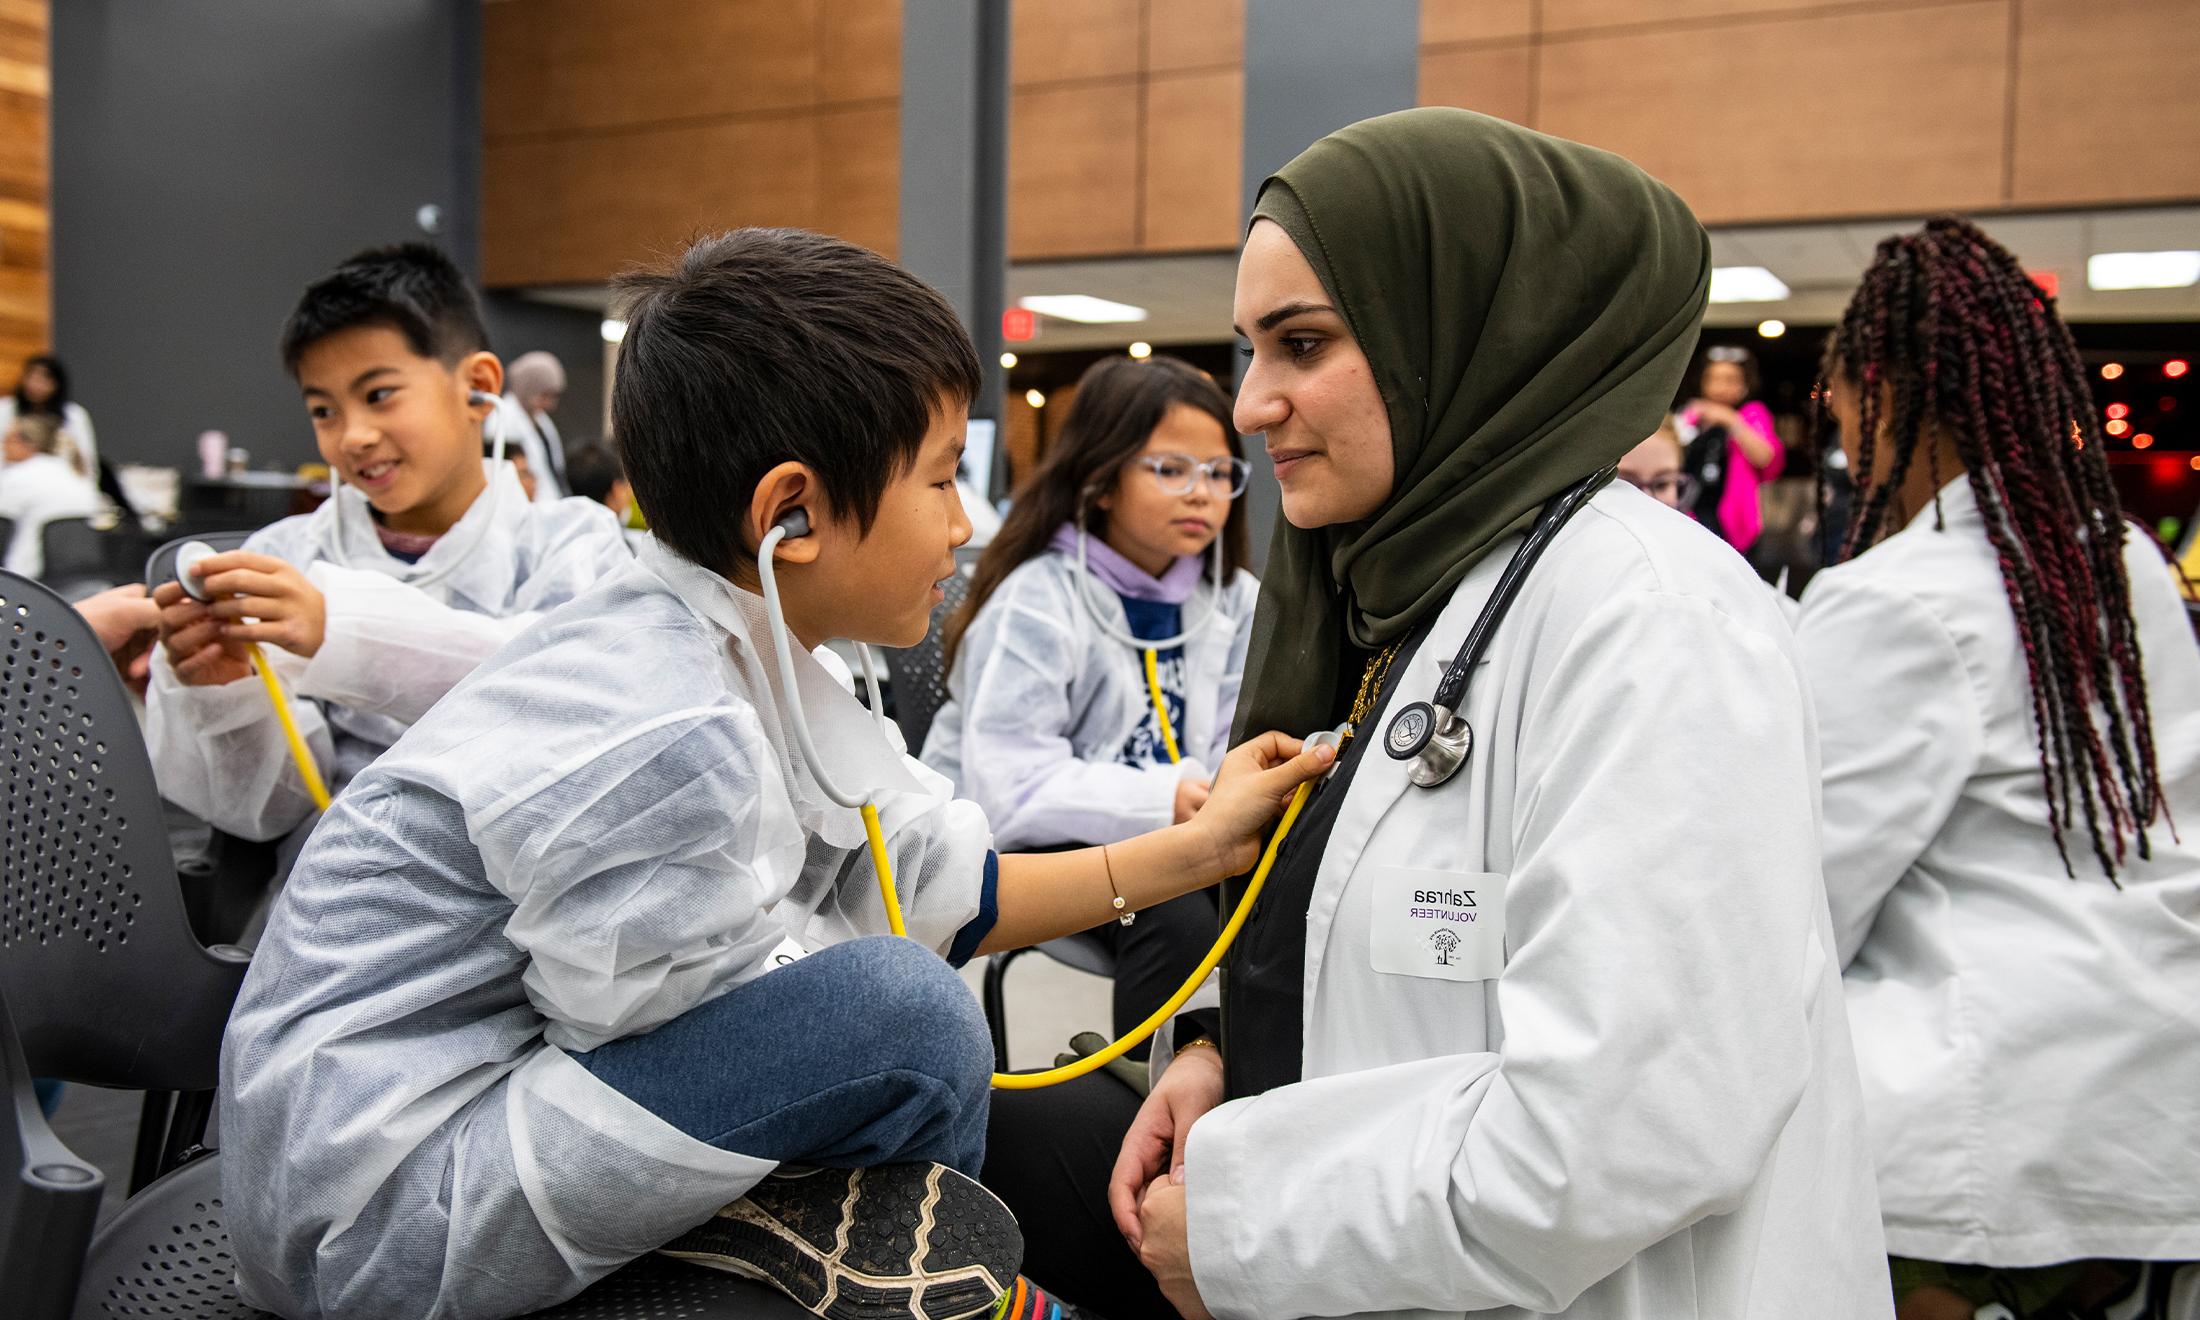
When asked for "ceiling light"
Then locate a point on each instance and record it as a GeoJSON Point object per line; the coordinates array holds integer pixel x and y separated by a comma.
{"type": "Point", "coordinates": [1772, 329]}
{"type": "Point", "coordinates": [2142, 270]}
{"type": "Point", "coordinates": [2142, 441]}
{"type": "Point", "coordinates": [1081, 308]}
{"type": "Point", "coordinates": [2175, 367]}
{"type": "Point", "coordinates": [612, 330]}
{"type": "Point", "coordinates": [1035, 398]}
{"type": "Point", "coordinates": [1141, 350]}
{"type": "Point", "coordinates": [2111, 370]}
{"type": "Point", "coordinates": [1007, 360]}
{"type": "Point", "coordinates": [1736, 284]}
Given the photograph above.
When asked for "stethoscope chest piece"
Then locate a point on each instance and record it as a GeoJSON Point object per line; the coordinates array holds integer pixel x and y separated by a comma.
{"type": "Point", "coordinates": [1433, 738]}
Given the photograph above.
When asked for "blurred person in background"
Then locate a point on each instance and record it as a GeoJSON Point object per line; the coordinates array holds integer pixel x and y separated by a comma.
{"type": "Point", "coordinates": [39, 483]}
{"type": "Point", "coordinates": [1654, 468]}
{"type": "Point", "coordinates": [533, 387]}
{"type": "Point", "coordinates": [1732, 448]}
{"type": "Point", "coordinates": [43, 390]}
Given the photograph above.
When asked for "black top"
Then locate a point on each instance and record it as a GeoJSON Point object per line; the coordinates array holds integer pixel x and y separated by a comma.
{"type": "Point", "coordinates": [1263, 977]}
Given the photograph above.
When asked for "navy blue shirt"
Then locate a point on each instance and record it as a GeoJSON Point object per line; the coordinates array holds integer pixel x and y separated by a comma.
{"type": "Point", "coordinates": [1156, 619]}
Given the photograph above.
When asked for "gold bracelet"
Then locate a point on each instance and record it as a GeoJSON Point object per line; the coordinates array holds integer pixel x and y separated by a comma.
{"type": "Point", "coordinates": [1122, 915]}
{"type": "Point", "coordinates": [1200, 1042]}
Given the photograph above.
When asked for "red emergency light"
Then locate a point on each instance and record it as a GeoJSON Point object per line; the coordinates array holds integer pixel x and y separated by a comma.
{"type": "Point", "coordinates": [1019, 324]}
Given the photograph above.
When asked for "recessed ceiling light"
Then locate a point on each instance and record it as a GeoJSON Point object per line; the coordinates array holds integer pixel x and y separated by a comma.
{"type": "Point", "coordinates": [1739, 284]}
{"type": "Point", "coordinates": [612, 330]}
{"type": "Point", "coordinates": [1082, 308]}
{"type": "Point", "coordinates": [2110, 271]}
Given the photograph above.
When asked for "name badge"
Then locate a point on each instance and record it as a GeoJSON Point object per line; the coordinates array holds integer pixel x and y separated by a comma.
{"type": "Point", "coordinates": [1445, 925]}
{"type": "Point", "coordinates": [787, 952]}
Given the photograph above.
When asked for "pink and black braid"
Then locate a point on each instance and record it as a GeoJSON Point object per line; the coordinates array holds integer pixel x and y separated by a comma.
{"type": "Point", "coordinates": [1948, 336]}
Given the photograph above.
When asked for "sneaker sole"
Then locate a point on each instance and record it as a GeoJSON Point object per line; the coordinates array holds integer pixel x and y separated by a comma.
{"type": "Point", "coordinates": [897, 1242]}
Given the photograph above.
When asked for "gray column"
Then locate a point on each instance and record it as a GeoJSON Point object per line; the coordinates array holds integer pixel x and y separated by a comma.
{"type": "Point", "coordinates": [1311, 67]}
{"type": "Point", "coordinates": [954, 168]}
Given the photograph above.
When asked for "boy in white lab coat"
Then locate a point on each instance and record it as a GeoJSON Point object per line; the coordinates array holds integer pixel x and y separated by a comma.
{"type": "Point", "coordinates": [511, 1024]}
{"type": "Point", "coordinates": [418, 566]}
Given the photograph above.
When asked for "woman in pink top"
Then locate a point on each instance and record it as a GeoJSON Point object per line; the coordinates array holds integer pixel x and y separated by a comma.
{"type": "Point", "coordinates": [1731, 448]}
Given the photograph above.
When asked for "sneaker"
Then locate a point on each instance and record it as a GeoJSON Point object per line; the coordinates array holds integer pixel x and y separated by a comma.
{"type": "Point", "coordinates": [905, 1241]}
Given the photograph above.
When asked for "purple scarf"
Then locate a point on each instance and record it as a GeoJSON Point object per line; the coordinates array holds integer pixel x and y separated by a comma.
{"type": "Point", "coordinates": [1125, 578]}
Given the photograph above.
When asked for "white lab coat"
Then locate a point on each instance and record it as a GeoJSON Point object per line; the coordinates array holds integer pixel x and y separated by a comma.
{"type": "Point", "coordinates": [76, 431]}
{"type": "Point", "coordinates": [534, 434]}
{"type": "Point", "coordinates": [2029, 1042]}
{"type": "Point", "coordinates": [390, 651]}
{"type": "Point", "coordinates": [1040, 703]}
{"type": "Point", "coordinates": [35, 492]}
{"type": "Point", "coordinates": [1649, 1111]}
{"type": "Point", "coordinates": [601, 828]}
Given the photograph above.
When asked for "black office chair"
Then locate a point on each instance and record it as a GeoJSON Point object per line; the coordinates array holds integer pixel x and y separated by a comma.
{"type": "Point", "coordinates": [167, 1254]}
{"type": "Point", "coordinates": [49, 1203]}
{"type": "Point", "coordinates": [77, 558]}
{"type": "Point", "coordinates": [94, 933]}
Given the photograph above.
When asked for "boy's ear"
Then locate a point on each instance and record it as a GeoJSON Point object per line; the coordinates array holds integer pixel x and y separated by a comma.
{"type": "Point", "coordinates": [784, 489]}
{"type": "Point", "coordinates": [481, 371]}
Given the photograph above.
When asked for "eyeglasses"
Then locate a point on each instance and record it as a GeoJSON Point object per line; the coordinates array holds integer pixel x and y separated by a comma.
{"type": "Point", "coordinates": [1180, 474]}
{"type": "Point", "coordinates": [1675, 488]}
{"type": "Point", "coordinates": [1725, 353]}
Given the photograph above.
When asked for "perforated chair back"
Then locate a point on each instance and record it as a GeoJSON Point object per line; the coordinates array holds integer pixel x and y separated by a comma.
{"type": "Point", "coordinates": [167, 1254]}
{"type": "Point", "coordinates": [919, 673]}
{"type": "Point", "coordinates": [97, 955]}
{"type": "Point", "coordinates": [160, 566]}
{"type": "Point", "coordinates": [49, 1199]}
{"type": "Point", "coordinates": [75, 555]}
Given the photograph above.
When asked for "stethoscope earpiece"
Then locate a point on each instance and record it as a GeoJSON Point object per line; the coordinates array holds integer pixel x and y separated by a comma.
{"type": "Point", "coordinates": [794, 522]}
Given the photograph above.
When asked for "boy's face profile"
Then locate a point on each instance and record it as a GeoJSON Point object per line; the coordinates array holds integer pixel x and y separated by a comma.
{"type": "Point", "coordinates": [398, 425]}
{"type": "Point", "coordinates": [881, 588]}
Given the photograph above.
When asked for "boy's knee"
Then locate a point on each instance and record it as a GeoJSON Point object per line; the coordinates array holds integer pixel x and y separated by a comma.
{"type": "Point", "coordinates": [920, 1007]}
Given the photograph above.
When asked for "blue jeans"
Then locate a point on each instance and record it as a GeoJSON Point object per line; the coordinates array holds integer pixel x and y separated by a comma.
{"type": "Point", "coordinates": [869, 1052]}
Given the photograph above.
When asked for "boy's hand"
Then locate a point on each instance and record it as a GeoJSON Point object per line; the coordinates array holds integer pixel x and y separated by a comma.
{"type": "Point", "coordinates": [1191, 795]}
{"type": "Point", "coordinates": [1251, 789]}
{"type": "Point", "coordinates": [192, 637]}
{"type": "Point", "coordinates": [291, 612]}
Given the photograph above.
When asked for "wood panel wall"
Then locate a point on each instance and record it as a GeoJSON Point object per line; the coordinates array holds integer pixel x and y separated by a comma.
{"type": "Point", "coordinates": [1766, 110]}
{"type": "Point", "coordinates": [616, 128]}
{"type": "Point", "coordinates": [26, 312]}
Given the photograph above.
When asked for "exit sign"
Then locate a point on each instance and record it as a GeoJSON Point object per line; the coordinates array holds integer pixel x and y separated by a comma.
{"type": "Point", "coordinates": [1019, 324]}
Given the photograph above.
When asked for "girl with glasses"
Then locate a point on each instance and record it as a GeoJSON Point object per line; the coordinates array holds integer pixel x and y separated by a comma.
{"type": "Point", "coordinates": [1093, 668]}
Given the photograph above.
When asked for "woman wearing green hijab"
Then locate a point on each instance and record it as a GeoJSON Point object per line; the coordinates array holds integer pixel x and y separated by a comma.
{"type": "Point", "coordinates": [1561, 1034]}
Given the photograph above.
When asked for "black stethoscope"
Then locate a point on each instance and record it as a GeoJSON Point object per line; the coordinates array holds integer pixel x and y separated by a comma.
{"type": "Point", "coordinates": [1432, 734]}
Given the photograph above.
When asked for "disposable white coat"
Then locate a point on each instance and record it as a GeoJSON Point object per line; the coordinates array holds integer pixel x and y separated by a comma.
{"type": "Point", "coordinates": [2029, 1042]}
{"type": "Point", "coordinates": [597, 831]}
{"type": "Point", "coordinates": [33, 493]}
{"type": "Point", "coordinates": [525, 433]}
{"type": "Point", "coordinates": [1651, 1112]}
{"type": "Point", "coordinates": [76, 431]}
{"type": "Point", "coordinates": [1040, 703]}
{"type": "Point", "coordinates": [390, 650]}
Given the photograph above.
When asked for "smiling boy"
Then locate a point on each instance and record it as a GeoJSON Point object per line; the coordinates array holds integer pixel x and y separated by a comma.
{"type": "Point", "coordinates": [418, 566]}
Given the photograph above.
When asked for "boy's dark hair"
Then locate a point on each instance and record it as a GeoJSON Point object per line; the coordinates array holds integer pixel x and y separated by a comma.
{"type": "Point", "coordinates": [411, 288]}
{"type": "Point", "coordinates": [591, 471]}
{"type": "Point", "coordinates": [764, 346]}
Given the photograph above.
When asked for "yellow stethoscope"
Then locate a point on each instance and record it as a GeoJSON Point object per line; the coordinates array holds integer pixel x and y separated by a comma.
{"type": "Point", "coordinates": [797, 523]}
{"type": "Point", "coordinates": [191, 552]}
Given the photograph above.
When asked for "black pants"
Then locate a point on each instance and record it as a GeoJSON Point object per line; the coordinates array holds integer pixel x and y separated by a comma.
{"type": "Point", "coordinates": [1154, 954]}
{"type": "Point", "coordinates": [1048, 1154]}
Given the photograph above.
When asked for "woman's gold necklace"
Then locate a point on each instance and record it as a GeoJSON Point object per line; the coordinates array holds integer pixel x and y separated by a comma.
{"type": "Point", "coordinates": [1372, 679]}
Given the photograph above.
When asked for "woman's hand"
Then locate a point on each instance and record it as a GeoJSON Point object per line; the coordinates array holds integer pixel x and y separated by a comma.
{"type": "Point", "coordinates": [290, 612]}
{"type": "Point", "coordinates": [1251, 789]}
{"type": "Point", "coordinates": [1713, 414]}
{"type": "Point", "coordinates": [1191, 795]}
{"type": "Point", "coordinates": [126, 621]}
{"type": "Point", "coordinates": [1155, 1144]}
{"type": "Point", "coordinates": [1166, 1250]}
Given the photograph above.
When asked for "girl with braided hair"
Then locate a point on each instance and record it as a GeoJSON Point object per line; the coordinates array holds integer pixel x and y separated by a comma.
{"type": "Point", "coordinates": [2010, 707]}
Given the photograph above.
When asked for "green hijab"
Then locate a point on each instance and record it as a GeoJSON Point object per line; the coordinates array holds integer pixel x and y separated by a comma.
{"type": "Point", "coordinates": [1528, 306]}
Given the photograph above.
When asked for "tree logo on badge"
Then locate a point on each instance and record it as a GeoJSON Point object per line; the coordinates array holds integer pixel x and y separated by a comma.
{"type": "Point", "coordinates": [1447, 944]}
